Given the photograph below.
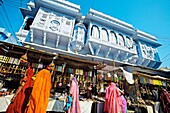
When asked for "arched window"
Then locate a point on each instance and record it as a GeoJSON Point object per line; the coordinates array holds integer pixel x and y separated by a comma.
{"type": "Point", "coordinates": [121, 40]}
{"type": "Point", "coordinates": [28, 23]}
{"type": "Point", "coordinates": [95, 33]}
{"type": "Point", "coordinates": [129, 42]}
{"type": "Point", "coordinates": [104, 35]}
{"type": "Point", "coordinates": [113, 38]}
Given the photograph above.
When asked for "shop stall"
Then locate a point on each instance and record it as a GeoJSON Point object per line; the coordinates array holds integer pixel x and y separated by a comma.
{"type": "Point", "coordinates": [13, 66]}
{"type": "Point", "coordinates": [144, 95]}
{"type": "Point", "coordinates": [140, 89]}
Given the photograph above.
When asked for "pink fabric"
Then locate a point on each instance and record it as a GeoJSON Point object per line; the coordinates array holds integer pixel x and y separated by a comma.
{"type": "Point", "coordinates": [112, 100]}
{"type": "Point", "coordinates": [74, 90]}
{"type": "Point", "coordinates": [124, 104]}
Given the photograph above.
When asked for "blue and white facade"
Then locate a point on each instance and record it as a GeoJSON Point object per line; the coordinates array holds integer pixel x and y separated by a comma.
{"type": "Point", "coordinates": [57, 26]}
{"type": "Point", "coordinates": [7, 37]}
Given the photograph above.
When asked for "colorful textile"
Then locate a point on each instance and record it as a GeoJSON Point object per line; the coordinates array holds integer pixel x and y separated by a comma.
{"type": "Point", "coordinates": [40, 93]}
{"type": "Point", "coordinates": [74, 91]}
{"type": "Point", "coordinates": [59, 68]}
{"type": "Point", "coordinates": [70, 70]}
{"type": "Point", "coordinates": [21, 100]}
{"type": "Point", "coordinates": [112, 102]}
{"type": "Point", "coordinates": [163, 83]}
{"type": "Point", "coordinates": [124, 104]}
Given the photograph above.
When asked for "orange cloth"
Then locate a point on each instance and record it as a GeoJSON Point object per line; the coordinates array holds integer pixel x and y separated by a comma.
{"type": "Point", "coordinates": [40, 93]}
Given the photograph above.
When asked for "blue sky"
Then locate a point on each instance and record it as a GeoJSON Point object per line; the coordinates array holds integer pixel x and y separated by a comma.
{"type": "Point", "coordinates": [151, 16]}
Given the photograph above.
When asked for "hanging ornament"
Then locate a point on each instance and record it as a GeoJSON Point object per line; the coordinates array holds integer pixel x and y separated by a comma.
{"type": "Point", "coordinates": [24, 58]}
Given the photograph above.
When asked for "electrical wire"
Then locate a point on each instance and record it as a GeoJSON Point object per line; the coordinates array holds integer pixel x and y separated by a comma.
{"type": "Point", "coordinates": [21, 19]}
{"type": "Point", "coordinates": [162, 47]}
{"type": "Point", "coordinates": [165, 57]}
{"type": "Point", "coordinates": [11, 5]}
{"type": "Point", "coordinates": [4, 20]}
{"type": "Point", "coordinates": [92, 4]}
{"type": "Point", "coordinates": [2, 24]}
{"type": "Point", "coordinates": [166, 60]}
{"type": "Point", "coordinates": [8, 19]}
{"type": "Point", "coordinates": [14, 2]}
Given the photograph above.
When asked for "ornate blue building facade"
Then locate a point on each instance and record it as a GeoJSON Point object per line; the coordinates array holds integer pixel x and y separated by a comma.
{"type": "Point", "coordinates": [57, 26]}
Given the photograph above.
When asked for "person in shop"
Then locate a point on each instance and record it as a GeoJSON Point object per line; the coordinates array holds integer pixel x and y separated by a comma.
{"type": "Point", "coordinates": [89, 94]}
{"type": "Point", "coordinates": [114, 100]}
{"type": "Point", "coordinates": [74, 91]}
{"type": "Point", "coordinates": [155, 93]}
{"type": "Point", "coordinates": [38, 101]}
{"type": "Point", "coordinates": [20, 99]}
{"type": "Point", "coordinates": [68, 102]}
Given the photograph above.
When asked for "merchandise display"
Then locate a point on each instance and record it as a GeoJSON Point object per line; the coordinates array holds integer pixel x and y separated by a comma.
{"type": "Point", "coordinates": [92, 82]}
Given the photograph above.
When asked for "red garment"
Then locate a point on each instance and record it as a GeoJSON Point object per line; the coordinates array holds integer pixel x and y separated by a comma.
{"type": "Point", "coordinates": [112, 104]}
{"type": "Point", "coordinates": [21, 100]}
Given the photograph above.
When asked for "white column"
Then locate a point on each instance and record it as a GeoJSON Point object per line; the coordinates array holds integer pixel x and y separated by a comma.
{"type": "Point", "coordinates": [31, 35]}
{"type": "Point", "coordinates": [117, 54]}
{"type": "Point", "coordinates": [44, 38]}
{"type": "Point", "coordinates": [97, 51]}
{"type": "Point", "coordinates": [91, 49]}
{"type": "Point", "coordinates": [68, 47]}
{"type": "Point", "coordinates": [58, 38]}
{"type": "Point", "coordinates": [107, 53]}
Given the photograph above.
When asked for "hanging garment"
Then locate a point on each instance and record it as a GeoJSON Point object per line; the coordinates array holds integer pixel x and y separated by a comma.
{"type": "Point", "coordinates": [127, 72]}
{"type": "Point", "coordinates": [149, 109]}
{"type": "Point", "coordinates": [40, 93]}
{"type": "Point", "coordinates": [165, 100]}
{"type": "Point", "coordinates": [21, 100]}
{"type": "Point", "coordinates": [74, 91]}
{"type": "Point", "coordinates": [157, 107]}
{"type": "Point", "coordinates": [112, 101]}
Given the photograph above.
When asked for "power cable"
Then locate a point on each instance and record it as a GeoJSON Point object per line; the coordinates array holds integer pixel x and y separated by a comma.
{"type": "Point", "coordinates": [4, 20]}
{"type": "Point", "coordinates": [165, 46]}
{"type": "Point", "coordinates": [92, 4]}
{"type": "Point", "coordinates": [21, 19]}
{"type": "Point", "coordinates": [166, 60]}
{"type": "Point", "coordinates": [13, 2]}
{"type": "Point", "coordinates": [2, 24]}
{"type": "Point", "coordinates": [8, 19]}
{"type": "Point", "coordinates": [166, 56]}
{"type": "Point", "coordinates": [11, 5]}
